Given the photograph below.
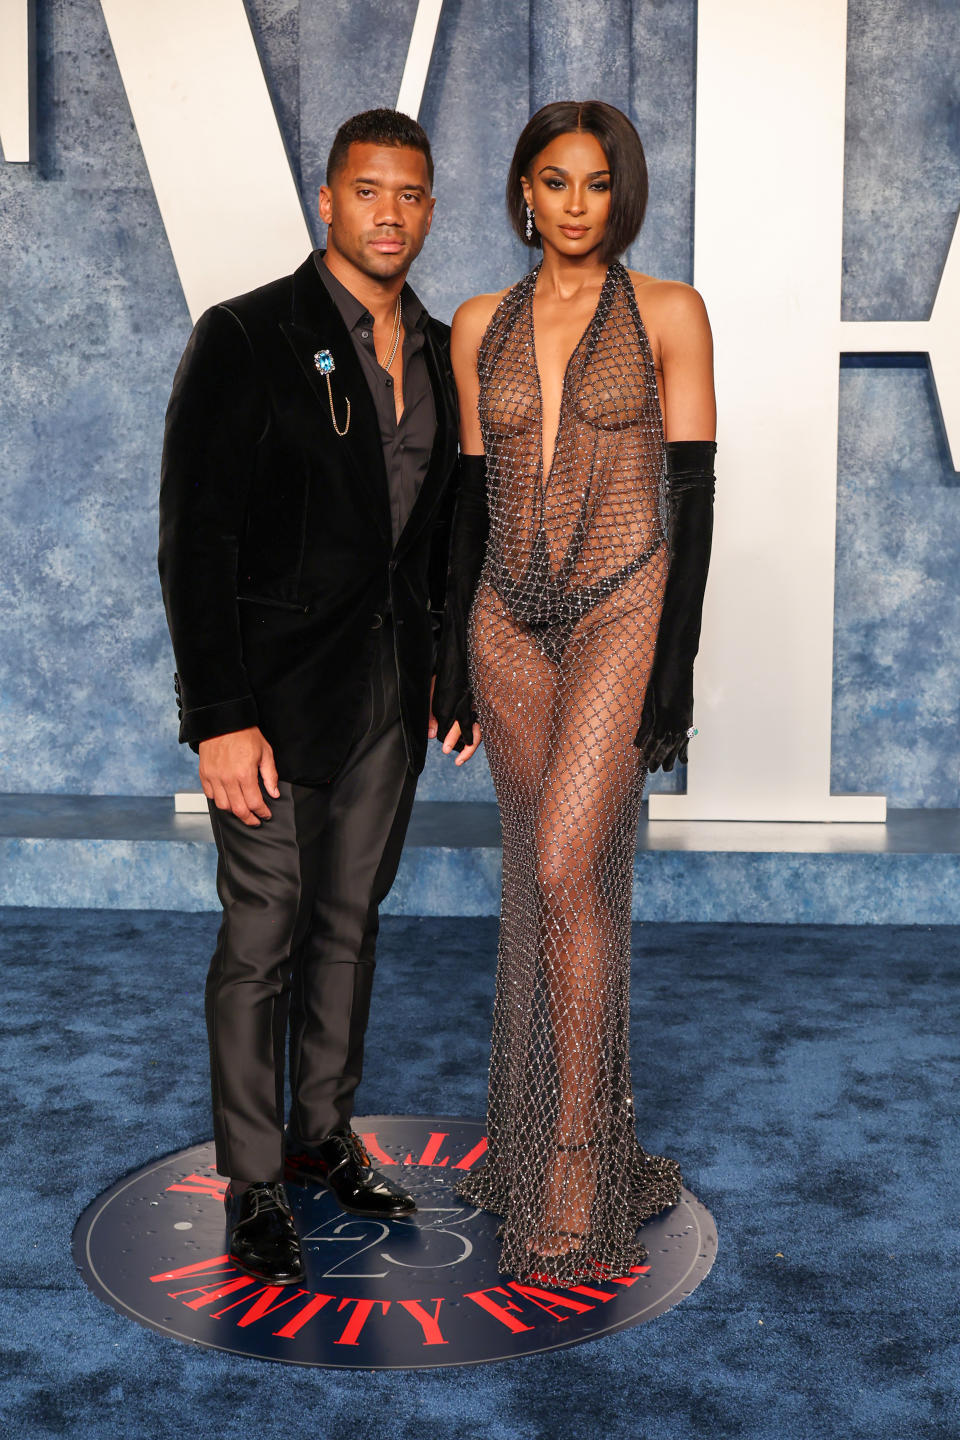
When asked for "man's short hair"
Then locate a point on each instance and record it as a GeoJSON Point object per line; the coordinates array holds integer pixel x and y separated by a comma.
{"type": "Point", "coordinates": [378, 127]}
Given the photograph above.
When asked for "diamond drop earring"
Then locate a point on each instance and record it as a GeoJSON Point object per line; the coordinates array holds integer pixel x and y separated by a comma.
{"type": "Point", "coordinates": [529, 230]}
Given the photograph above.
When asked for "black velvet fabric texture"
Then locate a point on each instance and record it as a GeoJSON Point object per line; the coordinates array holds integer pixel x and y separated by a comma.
{"type": "Point", "coordinates": [452, 698]}
{"type": "Point", "coordinates": [276, 552]}
{"type": "Point", "coordinates": [668, 704]}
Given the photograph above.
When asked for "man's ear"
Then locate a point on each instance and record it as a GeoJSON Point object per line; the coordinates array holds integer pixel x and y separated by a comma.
{"type": "Point", "coordinates": [325, 204]}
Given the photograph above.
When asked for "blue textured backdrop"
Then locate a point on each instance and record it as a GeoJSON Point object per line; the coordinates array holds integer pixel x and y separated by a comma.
{"type": "Point", "coordinates": [94, 322]}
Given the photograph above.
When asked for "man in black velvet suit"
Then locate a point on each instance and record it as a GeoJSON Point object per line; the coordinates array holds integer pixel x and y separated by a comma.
{"type": "Point", "coordinates": [305, 504]}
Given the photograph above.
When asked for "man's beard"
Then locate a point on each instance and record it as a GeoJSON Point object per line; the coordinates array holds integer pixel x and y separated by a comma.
{"type": "Point", "coordinates": [372, 264]}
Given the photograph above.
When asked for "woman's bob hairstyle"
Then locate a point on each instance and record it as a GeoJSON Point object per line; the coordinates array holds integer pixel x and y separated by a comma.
{"type": "Point", "coordinates": [621, 145]}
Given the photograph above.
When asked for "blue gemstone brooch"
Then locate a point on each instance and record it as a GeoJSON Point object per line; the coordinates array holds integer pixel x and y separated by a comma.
{"type": "Point", "coordinates": [326, 364]}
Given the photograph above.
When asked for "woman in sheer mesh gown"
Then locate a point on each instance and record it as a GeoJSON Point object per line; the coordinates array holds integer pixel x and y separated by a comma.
{"type": "Point", "coordinates": [578, 565]}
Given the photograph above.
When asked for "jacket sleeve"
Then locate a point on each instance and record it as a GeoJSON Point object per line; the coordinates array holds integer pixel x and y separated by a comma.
{"type": "Point", "coordinates": [215, 420]}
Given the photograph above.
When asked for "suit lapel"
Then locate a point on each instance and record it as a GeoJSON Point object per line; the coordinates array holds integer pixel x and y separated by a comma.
{"type": "Point", "coordinates": [315, 324]}
{"type": "Point", "coordinates": [444, 450]}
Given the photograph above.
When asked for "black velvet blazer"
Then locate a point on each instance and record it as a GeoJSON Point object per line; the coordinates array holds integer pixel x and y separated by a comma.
{"type": "Point", "coordinates": [276, 552]}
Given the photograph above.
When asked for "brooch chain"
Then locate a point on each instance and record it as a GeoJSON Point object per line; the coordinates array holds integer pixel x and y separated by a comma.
{"type": "Point", "coordinates": [326, 364]}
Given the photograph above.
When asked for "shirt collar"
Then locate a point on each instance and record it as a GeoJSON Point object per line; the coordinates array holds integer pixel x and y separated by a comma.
{"type": "Point", "coordinates": [353, 311]}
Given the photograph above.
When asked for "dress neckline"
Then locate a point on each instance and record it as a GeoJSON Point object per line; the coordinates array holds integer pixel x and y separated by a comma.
{"type": "Point", "coordinates": [611, 276]}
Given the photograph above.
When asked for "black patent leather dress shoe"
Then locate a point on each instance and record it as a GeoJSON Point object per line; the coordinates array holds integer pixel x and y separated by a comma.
{"type": "Point", "coordinates": [343, 1166]}
{"type": "Point", "coordinates": [263, 1239]}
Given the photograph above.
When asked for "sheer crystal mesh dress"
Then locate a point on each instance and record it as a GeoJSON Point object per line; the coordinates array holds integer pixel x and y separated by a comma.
{"type": "Point", "coordinates": [562, 636]}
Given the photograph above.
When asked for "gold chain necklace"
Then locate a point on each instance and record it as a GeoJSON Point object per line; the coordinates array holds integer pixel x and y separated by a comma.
{"type": "Point", "coordinates": [395, 338]}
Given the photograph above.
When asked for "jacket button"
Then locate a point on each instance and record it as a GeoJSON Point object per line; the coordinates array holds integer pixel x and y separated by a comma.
{"type": "Point", "coordinates": [376, 622]}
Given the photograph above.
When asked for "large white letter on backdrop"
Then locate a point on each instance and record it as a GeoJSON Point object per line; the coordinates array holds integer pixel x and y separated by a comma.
{"type": "Point", "coordinates": [939, 336]}
{"type": "Point", "coordinates": [767, 256]}
{"type": "Point", "coordinates": [17, 87]}
{"type": "Point", "coordinates": [210, 137]}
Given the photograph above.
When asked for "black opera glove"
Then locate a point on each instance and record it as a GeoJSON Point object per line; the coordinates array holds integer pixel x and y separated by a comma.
{"type": "Point", "coordinates": [668, 705]}
{"type": "Point", "coordinates": [452, 699]}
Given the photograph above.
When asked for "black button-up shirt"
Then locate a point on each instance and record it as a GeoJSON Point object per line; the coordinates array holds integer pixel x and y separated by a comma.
{"type": "Point", "coordinates": [407, 443]}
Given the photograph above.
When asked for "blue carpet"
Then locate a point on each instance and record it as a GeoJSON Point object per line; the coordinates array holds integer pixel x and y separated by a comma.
{"type": "Point", "coordinates": [805, 1078]}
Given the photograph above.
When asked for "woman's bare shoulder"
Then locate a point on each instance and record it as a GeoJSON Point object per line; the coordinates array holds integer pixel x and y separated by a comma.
{"type": "Point", "coordinates": [667, 302]}
{"type": "Point", "coordinates": [474, 315]}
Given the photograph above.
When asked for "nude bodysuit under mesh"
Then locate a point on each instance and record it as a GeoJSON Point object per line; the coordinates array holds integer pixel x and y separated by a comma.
{"type": "Point", "coordinates": [562, 636]}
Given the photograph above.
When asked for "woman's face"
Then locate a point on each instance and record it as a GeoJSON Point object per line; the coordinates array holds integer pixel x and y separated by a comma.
{"type": "Point", "coordinates": [568, 189]}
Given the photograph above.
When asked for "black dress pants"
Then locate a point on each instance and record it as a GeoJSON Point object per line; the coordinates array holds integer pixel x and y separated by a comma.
{"type": "Point", "coordinates": [295, 950]}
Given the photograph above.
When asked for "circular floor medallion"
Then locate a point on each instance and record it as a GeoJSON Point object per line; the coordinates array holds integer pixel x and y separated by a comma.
{"type": "Point", "coordinates": [408, 1294]}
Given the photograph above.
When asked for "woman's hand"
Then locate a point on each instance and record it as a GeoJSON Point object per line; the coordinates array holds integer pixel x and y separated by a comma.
{"type": "Point", "coordinates": [664, 734]}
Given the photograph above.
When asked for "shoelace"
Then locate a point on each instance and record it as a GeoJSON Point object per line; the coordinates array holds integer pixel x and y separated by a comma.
{"type": "Point", "coordinates": [355, 1152]}
{"type": "Point", "coordinates": [360, 1150]}
{"type": "Point", "coordinates": [270, 1197]}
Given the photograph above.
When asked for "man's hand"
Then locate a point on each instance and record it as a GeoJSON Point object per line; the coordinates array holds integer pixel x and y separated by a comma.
{"type": "Point", "coordinates": [453, 735]}
{"type": "Point", "coordinates": [432, 726]}
{"type": "Point", "coordinates": [230, 766]}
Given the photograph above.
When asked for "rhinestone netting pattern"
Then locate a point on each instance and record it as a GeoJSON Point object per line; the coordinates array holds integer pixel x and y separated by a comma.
{"type": "Point", "coordinates": [562, 635]}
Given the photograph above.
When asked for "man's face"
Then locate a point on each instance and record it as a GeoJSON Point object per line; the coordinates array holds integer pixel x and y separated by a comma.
{"type": "Point", "coordinates": [378, 208]}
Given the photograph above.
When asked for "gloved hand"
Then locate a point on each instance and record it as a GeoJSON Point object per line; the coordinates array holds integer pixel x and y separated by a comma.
{"type": "Point", "coordinates": [452, 699]}
{"type": "Point", "coordinates": [668, 704]}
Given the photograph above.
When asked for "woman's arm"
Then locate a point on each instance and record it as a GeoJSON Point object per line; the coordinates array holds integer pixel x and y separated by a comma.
{"type": "Point", "coordinates": [452, 700]}
{"type": "Point", "coordinates": [686, 362]}
{"type": "Point", "coordinates": [466, 332]}
{"type": "Point", "coordinates": [679, 331]}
